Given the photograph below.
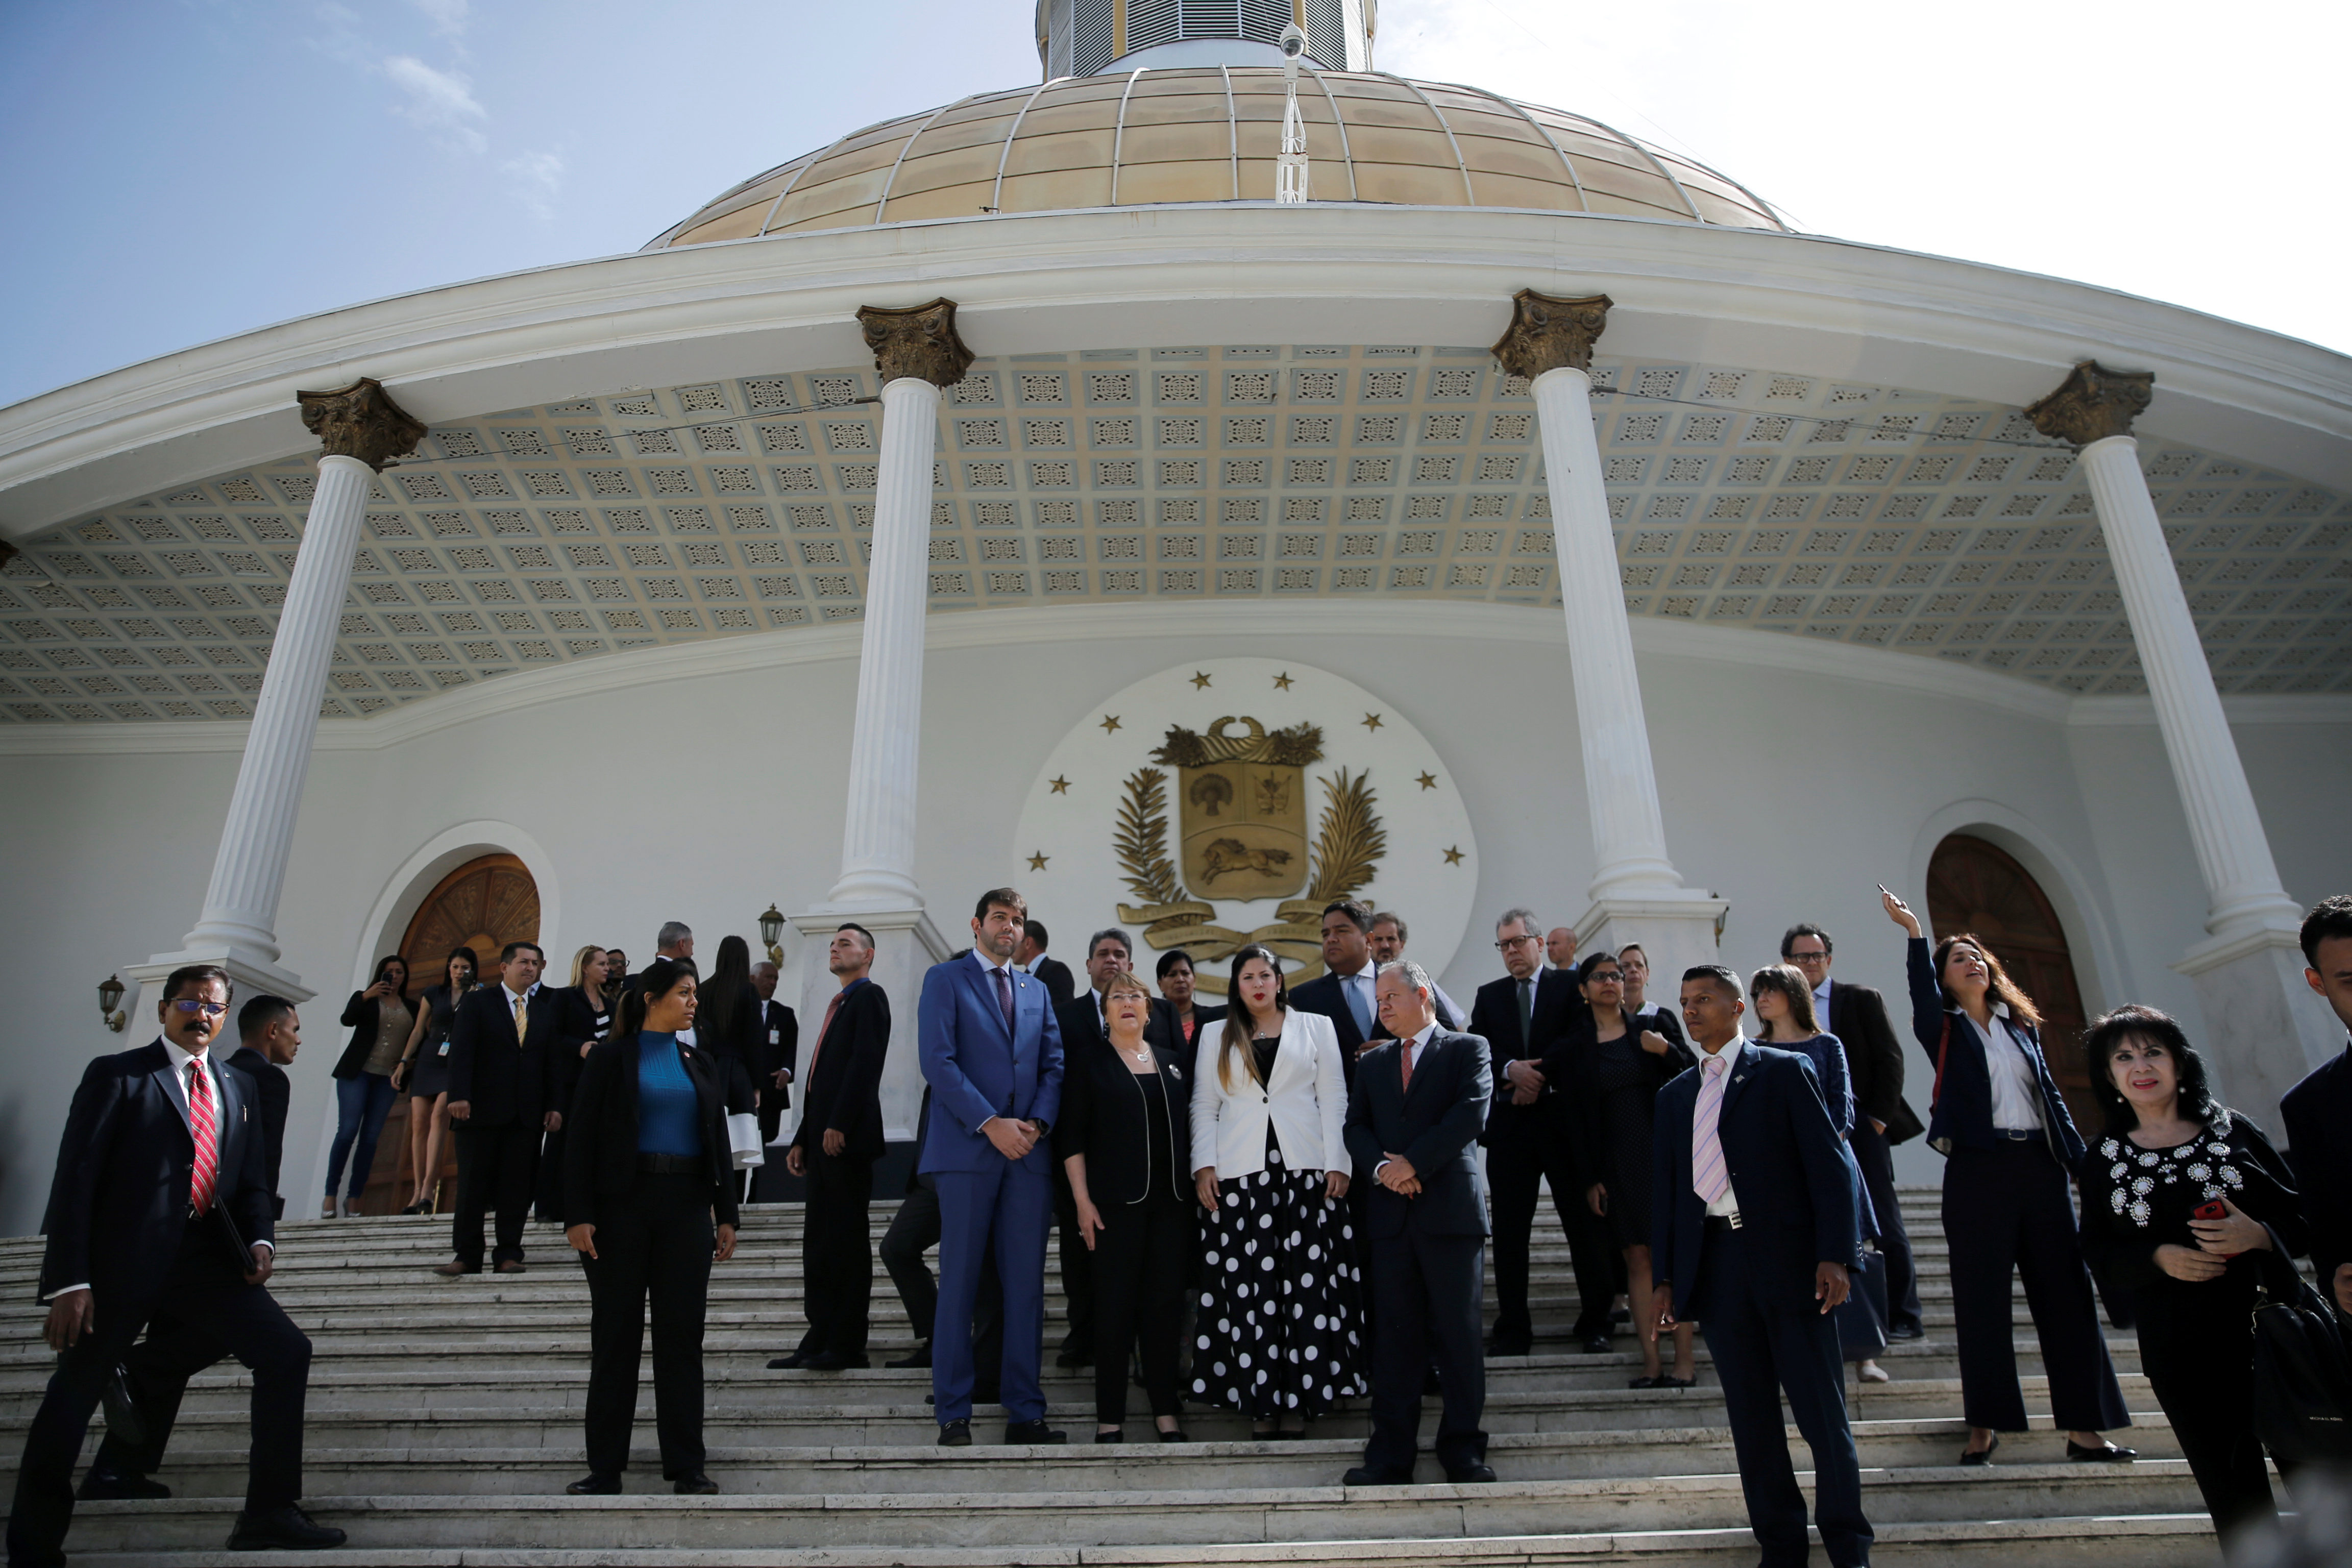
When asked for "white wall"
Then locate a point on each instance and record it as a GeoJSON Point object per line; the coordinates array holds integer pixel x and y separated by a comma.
{"type": "Point", "coordinates": [704, 786]}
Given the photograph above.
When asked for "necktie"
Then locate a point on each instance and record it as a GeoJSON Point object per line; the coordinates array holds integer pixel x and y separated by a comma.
{"type": "Point", "coordinates": [1004, 997]}
{"type": "Point", "coordinates": [1404, 1058]}
{"type": "Point", "coordinates": [522, 1017]}
{"type": "Point", "coordinates": [832, 1009]}
{"type": "Point", "coordinates": [1357, 1006]}
{"type": "Point", "coordinates": [1709, 1177]}
{"type": "Point", "coordinates": [201, 1123]}
{"type": "Point", "coordinates": [1527, 1015]}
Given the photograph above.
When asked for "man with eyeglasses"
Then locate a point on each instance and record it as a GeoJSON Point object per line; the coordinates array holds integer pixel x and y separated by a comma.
{"type": "Point", "coordinates": [161, 1195]}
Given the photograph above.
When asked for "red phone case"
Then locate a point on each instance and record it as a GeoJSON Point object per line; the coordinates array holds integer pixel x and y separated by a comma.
{"type": "Point", "coordinates": [2214, 1209]}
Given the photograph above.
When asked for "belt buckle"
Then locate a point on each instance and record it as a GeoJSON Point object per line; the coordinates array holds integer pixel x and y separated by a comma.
{"type": "Point", "coordinates": [1733, 1217]}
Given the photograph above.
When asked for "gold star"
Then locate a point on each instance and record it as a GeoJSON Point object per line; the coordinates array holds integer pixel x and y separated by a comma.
{"type": "Point", "coordinates": [1427, 780]}
{"type": "Point", "coordinates": [1371, 721]}
{"type": "Point", "coordinates": [1283, 682]}
{"type": "Point", "coordinates": [1037, 862]}
{"type": "Point", "coordinates": [1453, 856]}
{"type": "Point", "coordinates": [1061, 785]}
{"type": "Point", "coordinates": [1199, 680]}
{"type": "Point", "coordinates": [1110, 722]}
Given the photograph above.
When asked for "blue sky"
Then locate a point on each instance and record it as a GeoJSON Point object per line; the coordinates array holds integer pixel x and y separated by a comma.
{"type": "Point", "coordinates": [181, 170]}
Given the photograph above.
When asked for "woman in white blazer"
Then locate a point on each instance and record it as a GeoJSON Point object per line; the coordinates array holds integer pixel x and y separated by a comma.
{"type": "Point", "coordinates": [1280, 1324]}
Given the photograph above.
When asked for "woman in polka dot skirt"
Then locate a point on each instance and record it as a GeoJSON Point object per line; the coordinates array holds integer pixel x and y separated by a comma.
{"type": "Point", "coordinates": [1279, 1331]}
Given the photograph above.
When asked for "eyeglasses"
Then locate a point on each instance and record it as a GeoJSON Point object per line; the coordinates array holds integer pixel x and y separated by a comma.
{"type": "Point", "coordinates": [209, 1009]}
{"type": "Point", "coordinates": [1808, 958]}
{"type": "Point", "coordinates": [1509, 943]}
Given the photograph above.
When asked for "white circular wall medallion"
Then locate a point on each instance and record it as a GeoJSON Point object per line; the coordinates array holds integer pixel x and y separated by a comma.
{"type": "Point", "coordinates": [1226, 801]}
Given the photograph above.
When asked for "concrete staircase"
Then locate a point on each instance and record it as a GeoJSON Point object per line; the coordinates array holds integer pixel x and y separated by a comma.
{"type": "Point", "coordinates": [445, 1422]}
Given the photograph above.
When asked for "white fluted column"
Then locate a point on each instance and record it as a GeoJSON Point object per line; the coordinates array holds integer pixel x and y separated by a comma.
{"type": "Point", "coordinates": [1636, 894]}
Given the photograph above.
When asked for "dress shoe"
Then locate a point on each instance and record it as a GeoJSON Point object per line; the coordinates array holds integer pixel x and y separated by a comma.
{"type": "Point", "coordinates": [286, 1529]}
{"type": "Point", "coordinates": [1595, 1345]}
{"type": "Point", "coordinates": [1032, 1432]}
{"type": "Point", "coordinates": [955, 1434]}
{"type": "Point", "coordinates": [512, 1266]}
{"type": "Point", "coordinates": [791, 1362]}
{"type": "Point", "coordinates": [1471, 1475]}
{"type": "Point", "coordinates": [1177, 1435]}
{"type": "Point", "coordinates": [921, 1358]}
{"type": "Point", "coordinates": [416, 1207]}
{"type": "Point", "coordinates": [596, 1483]}
{"type": "Point", "coordinates": [1364, 1476]}
{"type": "Point", "coordinates": [1114, 1436]}
{"type": "Point", "coordinates": [2104, 1453]}
{"type": "Point", "coordinates": [1509, 1344]}
{"type": "Point", "coordinates": [1984, 1457]}
{"type": "Point", "coordinates": [1907, 1331]}
{"type": "Point", "coordinates": [825, 1361]}
{"type": "Point", "coordinates": [694, 1483]}
{"type": "Point", "coordinates": [1655, 1380]}
{"type": "Point", "coordinates": [454, 1270]}
{"type": "Point", "coordinates": [113, 1486]}
{"type": "Point", "coordinates": [1075, 1356]}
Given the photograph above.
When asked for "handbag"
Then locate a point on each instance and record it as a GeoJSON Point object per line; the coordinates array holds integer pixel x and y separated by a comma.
{"type": "Point", "coordinates": [2302, 1380]}
{"type": "Point", "coordinates": [743, 1140]}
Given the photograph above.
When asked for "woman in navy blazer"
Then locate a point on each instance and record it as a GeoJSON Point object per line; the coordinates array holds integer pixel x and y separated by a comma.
{"type": "Point", "coordinates": [2010, 1148]}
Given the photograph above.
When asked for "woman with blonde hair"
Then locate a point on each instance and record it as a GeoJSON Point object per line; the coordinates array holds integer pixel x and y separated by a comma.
{"type": "Point", "coordinates": [590, 1002]}
{"type": "Point", "coordinates": [1280, 1320]}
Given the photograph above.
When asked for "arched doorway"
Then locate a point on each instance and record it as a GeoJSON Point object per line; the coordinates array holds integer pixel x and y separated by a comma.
{"type": "Point", "coordinates": [1976, 886]}
{"type": "Point", "coordinates": [483, 904]}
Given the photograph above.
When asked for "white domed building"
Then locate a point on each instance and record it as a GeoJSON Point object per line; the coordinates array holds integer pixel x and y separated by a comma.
{"type": "Point", "coordinates": [1543, 519]}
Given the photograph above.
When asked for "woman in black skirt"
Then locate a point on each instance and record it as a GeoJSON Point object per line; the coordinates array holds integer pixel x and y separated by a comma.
{"type": "Point", "coordinates": [1611, 1069]}
{"type": "Point", "coordinates": [2169, 1150]}
{"type": "Point", "coordinates": [424, 1074]}
{"type": "Point", "coordinates": [1125, 1135]}
{"type": "Point", "coordinates": [647, 1175]}
{"type": "Point", "coordinates": [1279, 1332]}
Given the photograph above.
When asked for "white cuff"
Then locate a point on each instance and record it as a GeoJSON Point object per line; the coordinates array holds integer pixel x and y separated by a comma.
{"type": "Point", "coordinates": [66, 1292]}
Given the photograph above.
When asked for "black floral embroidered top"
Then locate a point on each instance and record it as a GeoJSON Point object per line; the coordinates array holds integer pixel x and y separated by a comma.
{"type": "Point", "coordinates": [2136, 1200]}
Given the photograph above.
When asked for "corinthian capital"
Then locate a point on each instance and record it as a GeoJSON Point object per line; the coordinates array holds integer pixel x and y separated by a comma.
{"type": "Point", "coordinates": [2093, 403]}
{"type": "Point", "coordinates": [918, 342]}
{"type": "Point", "coordinates": [1552, 334]}
{"type": "Point", "coordinates": [360, 421]}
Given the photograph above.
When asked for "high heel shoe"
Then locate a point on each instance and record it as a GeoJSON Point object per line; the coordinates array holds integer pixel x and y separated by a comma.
{"type": "Point", "coordinates": [1983, 1456]}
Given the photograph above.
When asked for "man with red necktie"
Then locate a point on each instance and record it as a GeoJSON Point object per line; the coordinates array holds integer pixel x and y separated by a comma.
{"type": "Point", "coordinates": [161, 1194]}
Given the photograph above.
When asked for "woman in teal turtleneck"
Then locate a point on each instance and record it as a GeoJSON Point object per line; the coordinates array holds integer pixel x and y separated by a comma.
{"type": "Point", "coordinates": [649, 1186]}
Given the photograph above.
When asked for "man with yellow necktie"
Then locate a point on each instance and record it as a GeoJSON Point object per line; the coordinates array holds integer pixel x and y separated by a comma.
{"type": "Point", "coordinates": [505, 1052]}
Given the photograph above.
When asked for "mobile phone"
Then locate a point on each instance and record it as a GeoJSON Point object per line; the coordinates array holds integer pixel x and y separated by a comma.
{"type": "Point", "coordinates": [2215, 1209]}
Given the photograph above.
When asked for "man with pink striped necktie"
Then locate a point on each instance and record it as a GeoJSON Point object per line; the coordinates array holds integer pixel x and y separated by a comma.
{"type": "Point", "coordinates": [1753, 1230]}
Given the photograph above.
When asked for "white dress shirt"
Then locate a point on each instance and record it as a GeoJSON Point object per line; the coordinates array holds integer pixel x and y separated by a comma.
{"type": "Point", "coordinates": [2016, 1092]}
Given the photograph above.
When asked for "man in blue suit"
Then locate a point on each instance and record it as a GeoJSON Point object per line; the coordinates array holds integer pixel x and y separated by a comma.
{"type": "Point", "coordinates": [992, 1052]}
{"type": "Point", "coordinates": [1752, 1232]}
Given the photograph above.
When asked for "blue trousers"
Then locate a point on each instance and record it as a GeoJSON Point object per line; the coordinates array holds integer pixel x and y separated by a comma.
{"type": "Point", "coordinates": [362, 1103]}
{"type": "Point", "coordinates": [1761, 1350]}
{"type": "Point", "coordinates": [1008, 1208]}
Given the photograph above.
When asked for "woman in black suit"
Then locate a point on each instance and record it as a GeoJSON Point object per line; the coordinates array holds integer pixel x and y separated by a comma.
{"type": "Point", "coordinates": [2009, 1147]}
{"type": "Point", "coordinates": [1610, 1065]}
{"type": "Point", "coordinates": [1125, 1135]}
{"type": "Point", "coordinates": [1176, 984]}
{"type": "Point", "coordinates": [647, 1172]}
{"type": "Point", "coordinates": [727, 1023]}
{"type": "Point", "coordinates": [2170, 1150]}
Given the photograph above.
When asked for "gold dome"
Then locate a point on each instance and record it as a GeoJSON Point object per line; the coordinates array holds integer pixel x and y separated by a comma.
{"type": "Point", "coordinates": [1210, 134]}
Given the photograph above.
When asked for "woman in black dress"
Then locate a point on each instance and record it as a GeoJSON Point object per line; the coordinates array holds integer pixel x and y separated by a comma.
{"type": "Point", "coordinates": [424, 1074]}
{"type": "Point", "coordinates": [1611, 1069]}
{"type": "Point", "coordinates": [2169, 1150]}
{"type": "Point", "coordinates": [1125, 1135]}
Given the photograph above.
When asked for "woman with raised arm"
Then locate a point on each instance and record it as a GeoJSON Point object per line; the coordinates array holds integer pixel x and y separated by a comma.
{"type": "Point", "coordinates": [380, 1020]}
{"type": "Point", "coordinates": [649, 1196]}
{"type": "Point", "coordinates": [2010, 1148]}
{"type": "Point", "coordinates": [1279, 1331]}
{"type": "Point", "coordinates": [424, 1074]}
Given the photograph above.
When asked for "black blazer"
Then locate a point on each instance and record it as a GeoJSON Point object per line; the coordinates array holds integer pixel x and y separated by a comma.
{"type": "Point", "coordinates": [276, 1093]}
{"type": "Point", "coordinates": [1103, 1117]}
{"type": "Point", "coordinates": [504, 1082]}
{"type": "Point", "coordinates": [844, 1091]}
{"type": "Point", "coordinates": [1571, 1067]}
{"type": "Point", "coordinates": [1056, 976]}
{"type": "Point", "coordinates": [1874, 1059]}
{"type": "Point", "coordinates": [1558, 1012]}
{"type": "Point", "coordinates": [119, 1201]}
{"type": "Point", "coordinates": [2317, 1115]}
{"type": "Point", "coordinates": [1962, 1112]}
{"type": "Point", "coordinates": [362, 1017]}
{"type": "Point", "coordinates": [1789, 1171]}
{"type": "Point", "coordinates": [1435, 1124]}
{"type": "Point", "coordinates": [600, 1144]}
{"type": "Point", "coordinates": [777, 1048]}
{"type": "Point", "coordinates": [1081, 1025]}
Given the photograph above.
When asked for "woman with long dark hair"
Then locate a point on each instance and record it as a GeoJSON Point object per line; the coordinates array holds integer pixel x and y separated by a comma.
{"type": "Point", "coordinates": [728, 1024]}
{"type": "Point", "coordinates": [379, 1019]}
{"type": "Point", "coordinates": [649, 1199]}
{"type": "Point", "coordinates": [1279, 1332]}
{"type": "Point", "coordinates": [1611, 1068]}
{"type": "Point", "coordinates": [424, 1074]}
{"type": "Point", "coordinates": [2009, 1146]}
{"type": "Point", "coordinates": [2187, 1207]}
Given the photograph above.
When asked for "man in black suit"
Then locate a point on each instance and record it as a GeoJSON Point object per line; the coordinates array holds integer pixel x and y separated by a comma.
{"type": "Point", "coordinates": [1856, 1015]}
{"type": "Point", "coordinates": [1521, 1017]}
{"type": "Point", "coordinates": [507, 1048]}
{"type": "Point", "coordinates": [162, 1197]}
{"type": "Point", "coordinates": [2318, 1113]}
{"type": "Point", "coordinates": [269, 1033]}
{"type": "Point", "coordinates": [779, 1049]}
{"type": "Point", "coordinates": [1051, 971]}
{"type": "Point", "coordinates": [1386, 941]}
{"type": "Point", "coordinates": [1413, 1122]}
{"type": "Point", "coordinates": [833, 1150]}
{"type": "Point", "coordinates": [1753, 1233]}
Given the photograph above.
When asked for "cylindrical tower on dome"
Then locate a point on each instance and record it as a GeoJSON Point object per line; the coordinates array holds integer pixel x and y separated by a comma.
{"type": "Point", "coordinates": [1095, 37]}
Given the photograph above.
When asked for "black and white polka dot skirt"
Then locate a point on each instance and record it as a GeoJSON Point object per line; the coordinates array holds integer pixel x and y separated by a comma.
{"type": "Point", "coordinates": [1280, 1326]}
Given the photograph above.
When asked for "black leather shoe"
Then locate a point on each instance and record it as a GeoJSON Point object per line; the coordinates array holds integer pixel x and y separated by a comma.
{"type": "Point", "coordinates": [1178, 1436]}
{"type": "Point", "coordinates": [694, 1483]}
{"type": "Point", "coordinates": [1032, 1432]}
{"type": "Point", "coordinates": [1471, 1475]}
{"type": "Point", "coordinates": [596, 1483]}
{"type": "Point", "coordinates": [921, 1358]}
{"type": "Point", "coordinates": [286, 1529]}
{"type": "Point", "coordinates": [1362, 1475]}
{"type": "Point", "coordinates": [1984, 1457]}
{"type": "Point", "coordinates": [2104, 1453]}
{"type": "Point", "coordinates": [1595, 1345]}
{"type": "Point", "coordinates": [791, 1362]}
{"type": "Point", "coordinates": [1907, 1331]}
{"type": "Point", "coordinates": [955, 1434]}
{"type": "Point", "coordinates": [111, 1486]}
{"type": "Point", "coordinates": [826, 1360]}
{"type": "Point", "coordinates": [1509, 1344]}
{"type": "Point", "coordinates": [1114, 1436]}
{"type": "Point", "coordinates": [1075, 1356]}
